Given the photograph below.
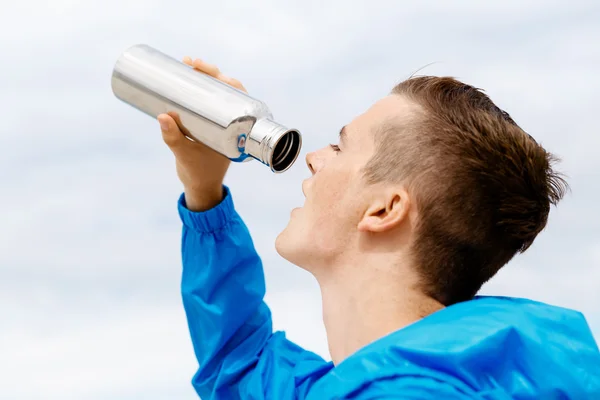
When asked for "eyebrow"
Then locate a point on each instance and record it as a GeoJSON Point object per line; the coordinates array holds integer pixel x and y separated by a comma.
{"type": "Point", "coordinates": [343, 134]}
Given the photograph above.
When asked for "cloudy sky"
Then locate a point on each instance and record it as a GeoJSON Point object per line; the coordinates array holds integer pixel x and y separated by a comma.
{"type": "Point", "coordinates": [89, 233]}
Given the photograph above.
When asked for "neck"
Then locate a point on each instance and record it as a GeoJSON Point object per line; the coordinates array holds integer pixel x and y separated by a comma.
{"type": "Point", "coordinates": [363, 302]}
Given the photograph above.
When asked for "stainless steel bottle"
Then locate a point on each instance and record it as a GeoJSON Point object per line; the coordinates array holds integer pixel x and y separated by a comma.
{"type": "Point", "coordinates": [212, 112]}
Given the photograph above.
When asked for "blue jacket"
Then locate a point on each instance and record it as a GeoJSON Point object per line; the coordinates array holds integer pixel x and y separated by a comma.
{"type": "Point", "coordinates": [487, 348]}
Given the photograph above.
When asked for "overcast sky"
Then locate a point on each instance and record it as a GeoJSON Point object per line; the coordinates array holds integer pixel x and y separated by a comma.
{"type": "Point", "coordinates": [89, 232]}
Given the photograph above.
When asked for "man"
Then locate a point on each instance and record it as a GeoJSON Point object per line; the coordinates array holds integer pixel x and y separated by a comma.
{"type": "Point", "coordinates": [425, 197]}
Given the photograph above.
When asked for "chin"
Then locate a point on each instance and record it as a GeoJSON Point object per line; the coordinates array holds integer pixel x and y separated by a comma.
{"type": "Point", "coordinates": [288, 246]}
{"type": "Point", "coordinates": [282, 243]}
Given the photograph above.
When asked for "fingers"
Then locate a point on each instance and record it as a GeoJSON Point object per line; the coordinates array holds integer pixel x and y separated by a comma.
{"type": "Point", "coordinates": [209, 69]}
{"type": "Point", "coordinates": [171, 133]}
{"type": "Point", "coordinates": [235, 83]}
{"type": "Point", "coordinates": [213, 70]}
{"type": "Point", "coordinates": [203, 66]}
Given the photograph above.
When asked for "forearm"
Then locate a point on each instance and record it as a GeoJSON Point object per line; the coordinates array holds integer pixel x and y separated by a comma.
{"type": "Point", "coordinates": [205, 195]}
{"type": "Point", "coordinates": [222, 288]}
{"type": "Point", "coordinates": [203, 202]}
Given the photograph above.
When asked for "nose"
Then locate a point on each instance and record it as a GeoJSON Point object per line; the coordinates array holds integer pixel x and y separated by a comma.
{"type": "Point", "coordinates": [310, 162]}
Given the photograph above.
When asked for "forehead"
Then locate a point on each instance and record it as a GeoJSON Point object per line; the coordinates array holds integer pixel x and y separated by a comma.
{"type": "Point", "coordinates": [392, 109]}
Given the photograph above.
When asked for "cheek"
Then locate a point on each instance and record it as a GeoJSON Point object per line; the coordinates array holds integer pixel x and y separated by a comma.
{"type": "Point", "coordinates": [331, 203]}
{"type": "Point", "coordinates": [326, 193]}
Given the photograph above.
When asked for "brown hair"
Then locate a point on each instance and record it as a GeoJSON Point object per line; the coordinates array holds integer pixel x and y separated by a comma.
{"type": "Point", "coordinates": [483, 186]}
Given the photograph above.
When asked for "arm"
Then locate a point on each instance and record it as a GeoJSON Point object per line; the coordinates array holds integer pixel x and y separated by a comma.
{"type": "Point", "coordinates": [223, 288]}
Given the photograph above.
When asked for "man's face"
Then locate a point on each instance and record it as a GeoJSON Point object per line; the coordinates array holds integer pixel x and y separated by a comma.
{"type": "Point", "coordinates": [337, 195]}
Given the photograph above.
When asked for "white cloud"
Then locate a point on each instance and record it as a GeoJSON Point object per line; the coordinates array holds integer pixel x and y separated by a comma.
{"type": "Point", "coordinates": [89, 239]}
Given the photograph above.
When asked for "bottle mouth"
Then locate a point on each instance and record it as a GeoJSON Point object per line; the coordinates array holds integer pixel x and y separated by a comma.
{"type": "Point", "coordinates": [274, 145]}
{"type": "Point", "coordinates": [286, 151]}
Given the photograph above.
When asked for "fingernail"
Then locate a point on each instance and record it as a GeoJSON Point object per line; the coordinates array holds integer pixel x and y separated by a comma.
{"type": "Point", "coordinates": [164, 125]}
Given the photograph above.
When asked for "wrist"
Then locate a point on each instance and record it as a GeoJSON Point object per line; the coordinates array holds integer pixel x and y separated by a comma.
{"type": "Point", "coordinates": [203, 199]}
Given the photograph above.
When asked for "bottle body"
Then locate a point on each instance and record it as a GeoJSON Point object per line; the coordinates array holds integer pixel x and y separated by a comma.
{"type": "Point", "coordinates": [210, 111]}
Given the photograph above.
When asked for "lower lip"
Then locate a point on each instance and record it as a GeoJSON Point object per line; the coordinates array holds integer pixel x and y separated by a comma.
{"type": "Point", "coordinates": [296, 209]}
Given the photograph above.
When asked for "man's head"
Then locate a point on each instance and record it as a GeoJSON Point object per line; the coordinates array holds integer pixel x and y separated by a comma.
{"type": "Point", "coordinates": [433, 175]}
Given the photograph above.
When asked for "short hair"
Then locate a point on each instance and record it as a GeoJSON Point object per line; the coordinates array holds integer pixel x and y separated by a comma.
{"type": "Point", "coordinates": [483, 187]}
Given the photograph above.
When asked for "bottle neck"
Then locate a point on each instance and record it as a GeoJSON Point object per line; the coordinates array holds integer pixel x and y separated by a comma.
{"type": "Point", "coordinates": [273, 144]}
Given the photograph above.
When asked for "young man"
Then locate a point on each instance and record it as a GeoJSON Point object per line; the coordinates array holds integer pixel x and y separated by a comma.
{"type": "Point", "coordinates": [425, 197]}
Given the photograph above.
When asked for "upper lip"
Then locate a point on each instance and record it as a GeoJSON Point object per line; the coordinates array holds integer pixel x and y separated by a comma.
{"type": "Point", "coordinates": [303, 190]}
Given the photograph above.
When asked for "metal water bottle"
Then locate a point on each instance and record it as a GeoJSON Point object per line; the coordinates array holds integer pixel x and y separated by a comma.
{"type": "Point", "coordinates": [226, 119]}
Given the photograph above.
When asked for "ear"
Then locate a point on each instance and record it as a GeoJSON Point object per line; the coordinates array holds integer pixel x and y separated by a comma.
{"type": "Point", "coordinates": [386, 212]}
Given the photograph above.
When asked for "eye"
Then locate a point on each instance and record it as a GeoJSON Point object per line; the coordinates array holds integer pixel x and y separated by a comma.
{"type": "Point", "coordinates": [335, 147]}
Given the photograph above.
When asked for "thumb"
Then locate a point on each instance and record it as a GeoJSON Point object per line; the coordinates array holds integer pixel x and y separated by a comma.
{"type": "Point", "coordinates": [171, 133]}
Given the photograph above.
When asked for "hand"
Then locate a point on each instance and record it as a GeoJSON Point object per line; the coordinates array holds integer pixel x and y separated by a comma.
{"type": "Point", "coordinates": [200, 168]}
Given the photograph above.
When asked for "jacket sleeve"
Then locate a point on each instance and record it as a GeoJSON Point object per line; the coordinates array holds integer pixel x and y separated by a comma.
{"type": "Point", "coordinates": [223, 287]}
